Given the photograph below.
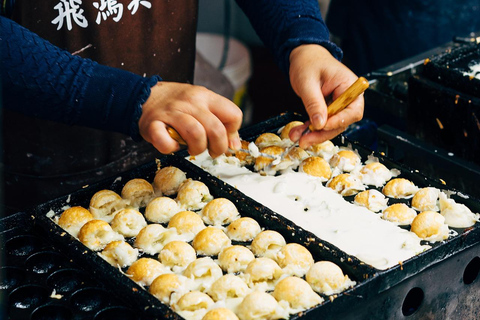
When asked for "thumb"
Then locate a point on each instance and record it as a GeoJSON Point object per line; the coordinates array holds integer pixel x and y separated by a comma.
{"type": "Point", "coordinates": [314, 102]}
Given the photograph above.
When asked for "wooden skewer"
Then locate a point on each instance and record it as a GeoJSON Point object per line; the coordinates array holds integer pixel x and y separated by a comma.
{"type": "Point", "coordinates": [175, 136]}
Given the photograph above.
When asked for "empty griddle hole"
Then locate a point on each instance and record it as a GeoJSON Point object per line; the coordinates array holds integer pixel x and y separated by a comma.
{"type": "Point", "coordinates": [471, 271]}
{"type": "Point", "coordinates": [23, 245]}
{"type": "Point", "coordinates": [46, 262]}
{"type": "Point", "coordinates": [11, 277]}
{"type": "Point", "coordinates": [91, 299]}
{"type": "Point", "coordinates": [51, 312]}
{"type": "Point", "coordinates": [67, 280]}
{"type": "Point", "coordinates": [412, 301]}
{"type": "Point", "coordinates": [117, 313]}
{"type": "Point", "coordinates": [28, 296]}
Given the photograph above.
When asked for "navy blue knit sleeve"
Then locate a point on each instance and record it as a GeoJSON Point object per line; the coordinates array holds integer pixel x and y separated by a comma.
{"type": "Point", "coordinates": [43, 81]}
{"type": "Point", "coordinates": [285, 24]}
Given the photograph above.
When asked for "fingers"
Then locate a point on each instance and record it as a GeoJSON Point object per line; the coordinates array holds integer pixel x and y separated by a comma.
{"type": "Point", "coordinates": [351, 114]}
{"type": "Point", "coordinates": [318, 137]}
{"type": "Point", "coordinates": [310, 93]}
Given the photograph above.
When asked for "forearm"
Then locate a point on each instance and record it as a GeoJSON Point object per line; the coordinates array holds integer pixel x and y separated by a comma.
{"type": "Point", "coordinates": [41, 80]}
{"type": "Point", "coordinates": [283, 25]}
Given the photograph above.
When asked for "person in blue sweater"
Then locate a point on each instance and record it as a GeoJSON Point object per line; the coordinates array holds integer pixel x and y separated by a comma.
{"type": "Point", "coordinates": [101, 68]}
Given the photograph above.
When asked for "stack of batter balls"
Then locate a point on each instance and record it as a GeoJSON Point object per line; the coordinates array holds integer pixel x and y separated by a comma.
{"type": "Point", "coordinates": [197, 254]}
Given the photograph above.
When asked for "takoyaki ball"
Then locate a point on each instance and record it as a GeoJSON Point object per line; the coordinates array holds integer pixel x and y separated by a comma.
{"type": "Point", "coordinates": [294, 259]}
{"type": "Point", "coordinates": [193, 301]}
{"type": "Point", "coordinates": [193, 195]}
{"type": "Point", "coordinates": [326, 150]}
{"type": "Point", "coordinates": [375, 174]}
{"type": "Point", "coordinates": [119, 254]}
{"type": "Point", "coordinates": [426, 199]}
{"type": "Point", "coordinates": [345, 160]}
{"type": "Point", "coordinates": [203, 272]}
{"type": "Point", "coordinates": [327, 278]}
{"type": "Point", "coordinates": [245, 158]}
{"type": "Point", "coordinates": [210, 241]}
{"type": "Point", "coordinates": [228, 286]}
{"type": "Point", "coordinates": [297, 292]}
{"type": "Point", "coordinates": [263, 162]}
{"type": "Point", "coordinates": [177, 255]}
{"type": "Point", "coordinates": [243, 229]}
{"type": "Point", "coordinates": [161, 210]}
{"type": "Point", "coordinates": [267, 243]}
{"type": "Point", "coordinates": [105, 204]}
{"type": "Point", "coordinates": [235, 258]}
{"type": "Point", "coordinates": [152, 238]}
{"type": "Point", "coordinates": [128, 222]}
{"type": "Point", "coordinates": [297, 155]}
{"type": "Point", "coordinates": [219, 211]}
{"type": "Point", "coordinates": [399, 188]}
{"type": "Point", "coordinates": [371, 199]}
{"type": "Point", "coordinates": [430, 226]}
{"type": "Point", "coordinates": [346, 184]}
{"type": "Point", "coordinates": [72, 219]}
{"type": "Point", "coordinates": [187, 223]}
{"type": "Point", "coordinates": [285, 134]}
{"type": "Point", "coordinates": [267, 139]}
{"type": "Point", "coordinates": [317, 167]}
{"type": "Point", "coordinates": [457, 215]}
{"type": "Point", "coordinates": [400, 214]}
{"type": "Point", "coordinates": [262, 274]}
{"type": "Point", "coordinates": [138, 192]}
{"type": "Point", "coordinates": [220, 314]}
{"type": "Point", "coordinates": [167, 181]}
{"type": "Point", "coordinates": [96, 234]}
{"type": "Point", "coordinates": [168, 287]}
{"type": "Point", "coordinates": [260, 305]}
{"type": "Point", "coordinates": [145, 270]}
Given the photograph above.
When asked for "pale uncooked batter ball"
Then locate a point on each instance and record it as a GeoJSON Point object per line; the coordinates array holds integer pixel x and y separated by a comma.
{"type": "Point", "coordinates": [317, 167]}
{"type": "Point", "coordinates": [187, 223]}
{"type": "Point", "coordinates": [327, 278]}
{"type": "Point", "coordinates": [326, 150]}
{"type": "Point", "coordinates": [267, 243]}
{"type": "Point", "coordinates": [96, 234]}
{"type": "Point", "coordinates": [145, 270]}
{"type": "Point", "coordinates": [219, 211]}
{"type": "Point", "coordinates": [138, 192]}
{"type": "Point", "coordinates": [128, 222]}
{"type": "Point", "coordinates": [194, 301]}
{"type": "Point", "coordinates": [262, 273]}
{"type": "Point", "coordinates": [457, 215]}
{"type": "Point", "coordinates": [161, 210]}
{"type": "Point", "coordinates": [426, 199]}
{"type": "Point", "coordinates": [268, 139]}
{"type": "Point", "coordinates": [375, 174]}
{"type": "Point", "coordinates": [235, 258]}
{"type": "Point", "coordinates": [297, 292]}
{"type": "Point", "coordinates": [285, 134]}
{"type": "Point", "coordinates": [193, 195]}
{"type": "Point", "coordinates": [105, 204]}
{"type": "Point", "coordinates": [167, 181]}
{"type": "Point", "coordinates": [177, 255]}
{"type": "Point", "coordinates": [371, 199]}
{"type": "Point", "coordinates": [260, 305]}
{"type": "Point", "coordinates": [399, 213]}
{"type": "Point", "coordinates": [152, 238]}
{"type": "Point", "coordinates": [72, 219]}
{"type": "Point", "coordinates": [345, 160]}
{"type": "Point", "coordinates": [203, 272]}
{"type": "Point", "coordinates": [119, 254]}
{"type": "Point", "coordinates": [210, 241]}
{"type": "Point", "coordinates": [169, 286]}
{"type": "Point", "coordinates": [400, 188]}
{"type": "Point", "coordinates": [430, 226]}
{"type": "Point", "coordinates": [220, 314]}
{"type": "Point", "coordinates": [228, 286]}
{"type": "Point", "coordinates": [295, 259]}
{"type": "Point", "coordinates": [346, 184]}
{"type": "Point", "coordinates": [243, 229]}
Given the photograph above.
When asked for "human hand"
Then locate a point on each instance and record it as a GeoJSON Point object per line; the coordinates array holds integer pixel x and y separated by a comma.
{"type": "Point", "coordinates": [203, 118]}
{"type": "Point", "coordinates": [315, 74]}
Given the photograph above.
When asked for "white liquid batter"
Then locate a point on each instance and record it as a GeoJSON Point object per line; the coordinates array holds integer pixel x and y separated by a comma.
{"type": "Point", "coordinates": [305, 201]}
